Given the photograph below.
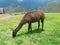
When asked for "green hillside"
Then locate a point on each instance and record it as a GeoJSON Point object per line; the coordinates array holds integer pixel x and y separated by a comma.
{"type": "Point", "coordinates": [50, 35]}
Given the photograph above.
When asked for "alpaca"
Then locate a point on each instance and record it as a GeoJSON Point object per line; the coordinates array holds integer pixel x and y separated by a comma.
{"type": "Point", "coordinates": [30, 17]}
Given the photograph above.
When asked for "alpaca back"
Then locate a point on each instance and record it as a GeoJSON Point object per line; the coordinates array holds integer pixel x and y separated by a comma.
{"type": "Point", "coordinates": [34, 16]}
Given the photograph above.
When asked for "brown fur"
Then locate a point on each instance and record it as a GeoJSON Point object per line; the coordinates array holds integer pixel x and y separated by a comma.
{"type": "Point", "coordinates": [30, 17]}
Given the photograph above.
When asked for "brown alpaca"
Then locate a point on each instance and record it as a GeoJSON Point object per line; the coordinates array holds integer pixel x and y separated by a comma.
{"type": "Point", "coordinates": [30, 17]}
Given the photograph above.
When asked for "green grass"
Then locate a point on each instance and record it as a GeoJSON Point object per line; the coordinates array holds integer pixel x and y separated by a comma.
{"type": "Point", "coordinates": [50, 35]}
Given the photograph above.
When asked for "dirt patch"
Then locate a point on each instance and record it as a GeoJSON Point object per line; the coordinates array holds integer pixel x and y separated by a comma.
{"type": "Point", "coordinates": [3, 17]}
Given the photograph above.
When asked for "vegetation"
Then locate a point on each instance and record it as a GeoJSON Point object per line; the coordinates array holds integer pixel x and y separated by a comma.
{"type": "Point", "coordinates": [13, 9]}
{"type": "Point", "coordinates": [19, 9]}
{"type": "Point", "coordinates": [50, 35]}
{"type": "Point", "coordinates": [50, 7]}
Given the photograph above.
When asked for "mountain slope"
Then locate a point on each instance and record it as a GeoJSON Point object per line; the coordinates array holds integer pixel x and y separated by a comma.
{"type": "Point", "coordinates": [27, 4]}
{"type": "Point", "coordinates": [52, 7]}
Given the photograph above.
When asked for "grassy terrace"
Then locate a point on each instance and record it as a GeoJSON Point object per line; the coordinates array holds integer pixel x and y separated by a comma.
{"type": "Point", "coordinates": [50, 35]}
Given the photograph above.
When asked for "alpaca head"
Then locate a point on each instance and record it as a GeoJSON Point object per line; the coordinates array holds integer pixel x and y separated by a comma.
{"type": "Point", "coordinates": [14, 33]}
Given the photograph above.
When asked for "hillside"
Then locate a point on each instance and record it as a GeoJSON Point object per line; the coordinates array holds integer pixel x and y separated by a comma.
{"type": "Point", "coordinates": [47, 6]}
{"type": "Point", "coordinates": [50, 35]}
{"type": "Point", "coordinates": [52, 7]}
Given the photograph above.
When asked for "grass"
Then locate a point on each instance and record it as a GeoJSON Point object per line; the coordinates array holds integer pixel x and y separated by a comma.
{"type": "Point", "coordinates": [50, 35]}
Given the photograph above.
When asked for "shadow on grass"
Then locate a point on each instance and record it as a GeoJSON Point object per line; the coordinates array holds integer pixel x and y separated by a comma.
{"type": "Point", "coordinates": [29, 33]}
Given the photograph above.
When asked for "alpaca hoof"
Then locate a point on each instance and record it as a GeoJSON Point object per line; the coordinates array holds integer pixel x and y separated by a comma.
{"type": "Point", "coordinates": [14, 34]}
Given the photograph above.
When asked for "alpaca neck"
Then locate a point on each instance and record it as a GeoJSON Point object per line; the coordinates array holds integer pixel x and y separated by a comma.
{"type": "Point", "coordinates": [20, 25]}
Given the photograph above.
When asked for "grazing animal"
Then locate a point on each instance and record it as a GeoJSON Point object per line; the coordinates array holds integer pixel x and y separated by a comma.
{"type": "Point", "coordinates": [30, 17]}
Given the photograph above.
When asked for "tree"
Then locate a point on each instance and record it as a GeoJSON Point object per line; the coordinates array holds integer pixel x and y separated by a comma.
{"type": "Point", "coordinates": [19, 9]}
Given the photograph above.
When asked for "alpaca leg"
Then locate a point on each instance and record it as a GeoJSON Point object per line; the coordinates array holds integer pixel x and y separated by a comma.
{"type": "Point", "coordinates": [42, 21]}
{"type": "Point", "coordinates": [29, 27]}
{"type": "Point", "coordinates": [38, 25]}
